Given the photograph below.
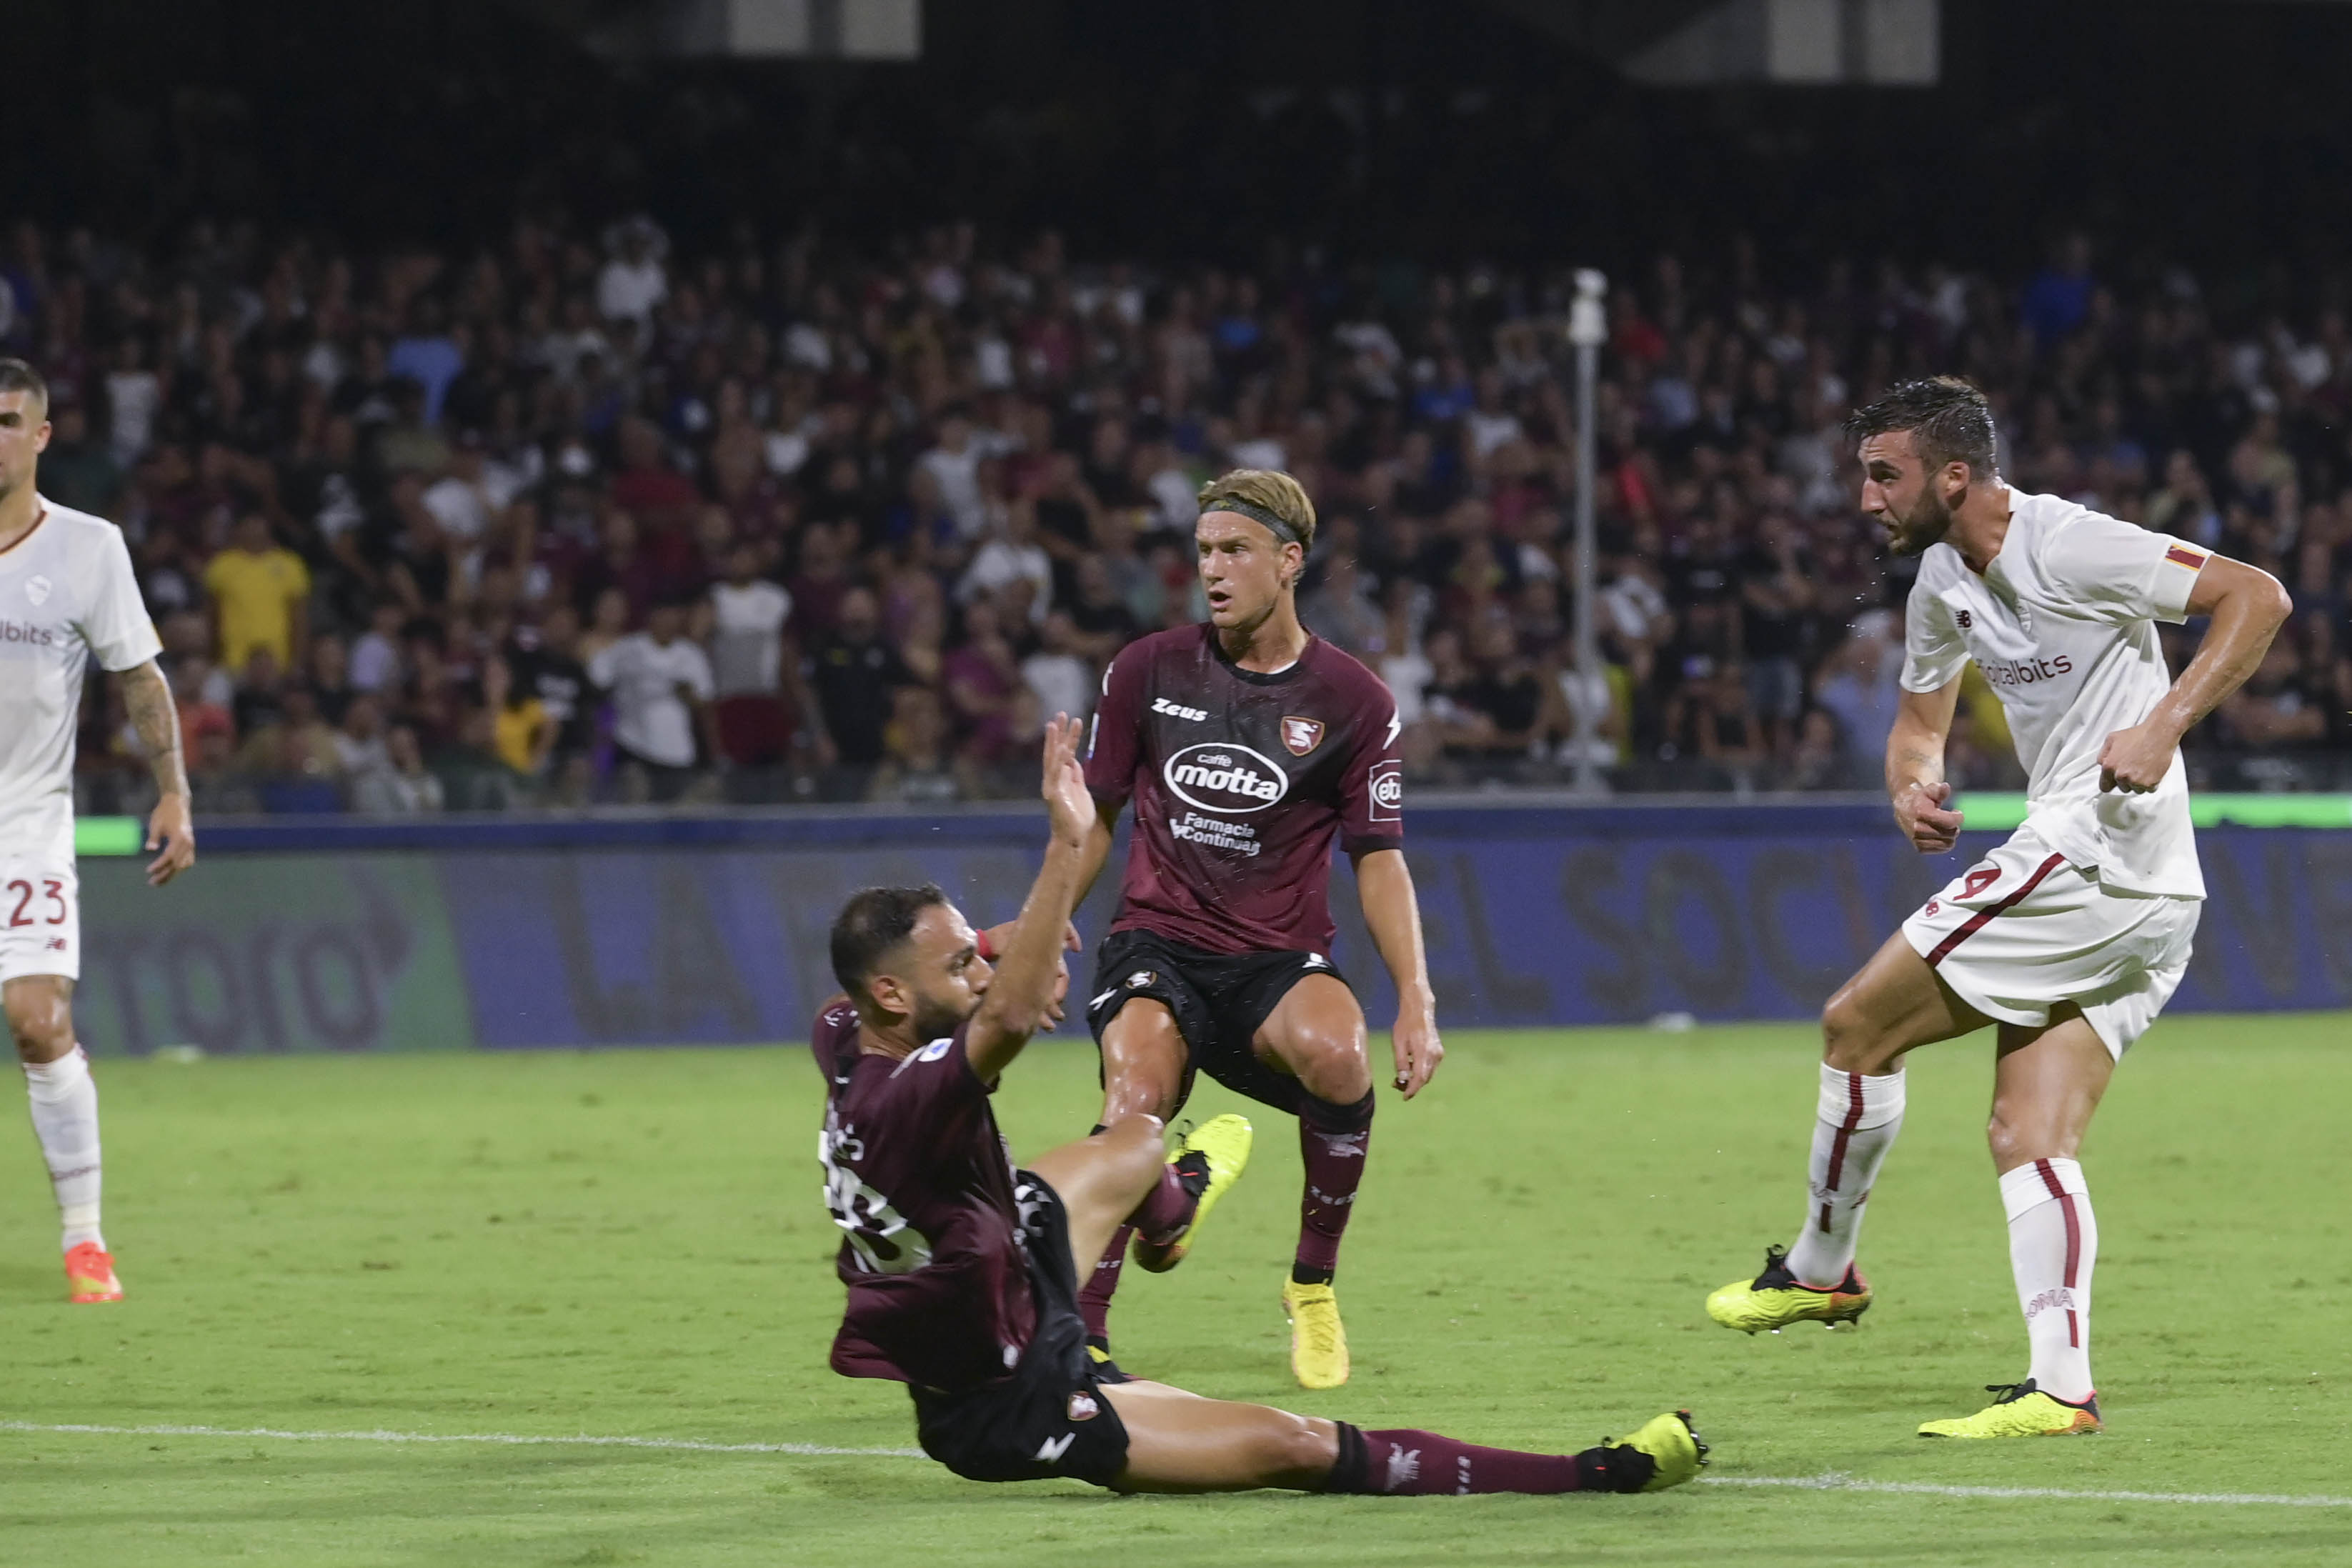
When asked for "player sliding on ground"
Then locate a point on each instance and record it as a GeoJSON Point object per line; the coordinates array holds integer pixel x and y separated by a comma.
{"type": "Point", "coordinates": [66, 596]}
{"type": "Point", "coordinates": [1246, 745]}
{"type": "Point", "coordinates": [962, 1269]}
{"type": "Point", "coordinates": [2070, 937]}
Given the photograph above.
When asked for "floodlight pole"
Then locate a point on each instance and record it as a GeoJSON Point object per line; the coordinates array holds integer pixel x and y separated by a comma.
{"type": "Point", "coordinates": [1587, 330]}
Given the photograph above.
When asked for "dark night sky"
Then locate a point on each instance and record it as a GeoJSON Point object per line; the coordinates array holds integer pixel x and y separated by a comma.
{"type": "Point", "coordinates": [2217, 133]}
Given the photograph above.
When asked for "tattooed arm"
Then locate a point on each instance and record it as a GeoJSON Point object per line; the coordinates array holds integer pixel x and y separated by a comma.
{"type": "Point", "coordinates": [156, 718]}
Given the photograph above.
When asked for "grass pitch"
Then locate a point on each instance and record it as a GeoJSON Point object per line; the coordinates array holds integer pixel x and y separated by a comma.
{"type": "Point", "coordinates": [632, 1245]}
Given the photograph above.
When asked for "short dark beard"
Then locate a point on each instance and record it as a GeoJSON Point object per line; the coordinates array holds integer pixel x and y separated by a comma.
{"type": "Point", "coordinates": [1926, 524]}
{"type": "Point", "coordinates": [934, 1020]}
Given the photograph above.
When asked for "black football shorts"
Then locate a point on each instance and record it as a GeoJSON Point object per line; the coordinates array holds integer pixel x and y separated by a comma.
{"type": "Point", "coordinates": [1049, 1417]}
{"type": "Point", "coordinates": [1219, 1000]}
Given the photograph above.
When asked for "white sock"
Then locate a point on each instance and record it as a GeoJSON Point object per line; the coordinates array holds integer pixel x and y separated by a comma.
{"type": "Point", "coordinates": [64, 1118]}
{"type": "Point", "coordinates": [2052, 1243]}
{"type": "Point", "coordinates": [1857, 1121]}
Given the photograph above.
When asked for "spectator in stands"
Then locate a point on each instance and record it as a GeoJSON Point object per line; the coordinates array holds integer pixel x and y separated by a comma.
{"type": "Point", "coordinates": [661, 687]}
{"type": "Point", "coordinates": [854, 673]}
{"type": "Point", "coordinates": [261, 592]}
{"type": "Point", "coordinates": [917, 766]}
{"type": "Point", "coordinates": [547, 664]}
{"type": "Point", "coordinates": [973, 473]}
{"type": "Point", "coordinates": [77, 470]}
{"type": "Point", "coordinates": [1061, 681]}
{"type": "Point", "coordinates": [402, 788]}
{"type": "Point", "coordinates": [360, 747]}
{"type": "Point", "coordinates": [523, 733]}
{"type": "Point", "coordinates": [747, 634]}
{"type": "Point", "coordinates": [375, 662]}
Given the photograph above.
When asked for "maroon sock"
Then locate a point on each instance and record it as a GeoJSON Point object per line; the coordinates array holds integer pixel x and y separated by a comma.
{"type": "Point", "coordinates": [1167, 1209]}
{"type": "Point", "coordinates": [1408, 1463]}
{"type": "Point", "coordinates": [1332, 1142]}
{"type": "Point", "coordinates": [1093, 1296]}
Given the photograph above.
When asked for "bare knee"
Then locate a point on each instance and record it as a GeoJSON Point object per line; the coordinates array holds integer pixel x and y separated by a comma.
{"type": "Point", "coordinates": [40, 1019]}
{"type": "Point", "coordinates": [1851, 1040]}
{"type": "Point", "coordinates": [1299, 1451]}
{"type": "Point", "coordinates": [1143, 1063]}
{"type": "Point", "coordinates": [2016, 1136]}
{"type": "Point", "coordinates": [1329, 1065]}
{"type": "Point", "coordinates": [1132, 1095]}
{"type": "Point", "coordinates": [1137, 1142]}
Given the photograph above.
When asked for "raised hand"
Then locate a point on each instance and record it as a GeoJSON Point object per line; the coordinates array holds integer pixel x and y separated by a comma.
{"type": "Point", "coordinates": [1069, 805]}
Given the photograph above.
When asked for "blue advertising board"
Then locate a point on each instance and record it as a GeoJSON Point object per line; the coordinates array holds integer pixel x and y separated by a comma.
{"type": "Point", "coordinates": [551, 933]}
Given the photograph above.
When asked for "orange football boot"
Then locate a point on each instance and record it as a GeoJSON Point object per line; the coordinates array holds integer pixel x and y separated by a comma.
{"type": "Point", "coordinates": [90, 1275]}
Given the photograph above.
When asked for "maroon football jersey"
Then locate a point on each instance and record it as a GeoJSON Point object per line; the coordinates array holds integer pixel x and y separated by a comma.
{"type": "Point", "coordinates": [921, 1183]}
{"type": "Point", "coordinates": [1240, 780]}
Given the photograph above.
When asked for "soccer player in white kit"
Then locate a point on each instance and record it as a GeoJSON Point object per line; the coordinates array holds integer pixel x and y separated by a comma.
{"type": "Point", "coordinates": [2068, 938]}
{"type": "Point", "coordinates": [66, 596]}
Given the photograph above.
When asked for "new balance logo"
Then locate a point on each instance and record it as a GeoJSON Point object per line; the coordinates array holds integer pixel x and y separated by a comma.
{"type": "Point", "coordinates": [1051, 1451]}
{"type": "Point", "coordinates": [1178, 710]}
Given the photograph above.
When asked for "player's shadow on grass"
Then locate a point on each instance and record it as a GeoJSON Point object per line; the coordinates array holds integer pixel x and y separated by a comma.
{"type": "Point", "coordinates": [28, 1282]}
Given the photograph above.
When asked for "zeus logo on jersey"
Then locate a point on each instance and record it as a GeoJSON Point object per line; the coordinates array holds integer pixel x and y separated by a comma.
{"type": "Point", "coordinates": [1178, 710]}
{"type": "Point", "coordinates": [1233, 781]}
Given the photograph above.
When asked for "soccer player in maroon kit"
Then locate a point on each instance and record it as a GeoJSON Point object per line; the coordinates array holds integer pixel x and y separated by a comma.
{"type": "Point", "coordinates": [1246, 746]}
{"type": "Point", "coordinates": [962, 1268]}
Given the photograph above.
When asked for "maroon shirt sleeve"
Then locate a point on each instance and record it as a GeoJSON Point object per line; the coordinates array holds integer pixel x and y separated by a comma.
{"type": "Point", "coordinates": [1371, 789]}
{"type": "Point", "coordinates": [1114, 745]}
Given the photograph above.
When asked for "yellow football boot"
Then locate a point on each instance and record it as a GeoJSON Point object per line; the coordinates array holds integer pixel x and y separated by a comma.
{"type": "Point", "coordinates": [1665, 1453]}
{"type": "Point", "coordinates": [2022, 1411]}
{"type": "Point", "coordinates": [1318, 1344]}
{"type": "Point", "coordinates": [1776, 1298]}
{"type": "Point", "coordinates": [1208, 1159]}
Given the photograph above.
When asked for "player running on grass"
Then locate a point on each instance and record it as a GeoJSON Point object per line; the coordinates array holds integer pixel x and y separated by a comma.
{"type": "Point", "coordinates": [2068, 938]}
{"type": "Point", "coordinates": [1246, 745]}
{"type": "Point", "coordinates": [66, 596]}
{"type": "Point", "coordinates": [962, 1268]}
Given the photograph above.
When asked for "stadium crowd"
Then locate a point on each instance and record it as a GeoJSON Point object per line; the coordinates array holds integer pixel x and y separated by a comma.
{"type": "Point", "coordinates": [577, 516]}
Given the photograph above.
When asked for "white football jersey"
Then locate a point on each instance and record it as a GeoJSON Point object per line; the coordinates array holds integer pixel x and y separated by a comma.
{"type": "Point", "coordinates": [66, 594]}
{"type": "Point", "coordinates": [2063, 624]}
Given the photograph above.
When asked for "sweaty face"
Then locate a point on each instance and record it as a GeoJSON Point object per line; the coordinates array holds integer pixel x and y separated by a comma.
{"type": "Point", "coordinates": [24, 431]}
{"type": "Point", "coordinates": [1243, 569]}
{"type": "Point", "coordinates": [937, 977]}
{"type": "Point", "coordinates": [1911, 503]}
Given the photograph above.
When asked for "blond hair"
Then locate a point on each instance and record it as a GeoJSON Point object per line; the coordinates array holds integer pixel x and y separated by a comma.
{"type": "Point", "coordinates": [1263, 490]}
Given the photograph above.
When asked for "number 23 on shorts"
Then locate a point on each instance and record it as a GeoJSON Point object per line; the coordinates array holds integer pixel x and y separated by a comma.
{"type": "Point", "coordinates": [28, 901]}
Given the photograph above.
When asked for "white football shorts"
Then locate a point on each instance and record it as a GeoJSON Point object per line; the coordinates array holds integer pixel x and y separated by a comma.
{"type": "Point", "coordinates": [40, 917]}
{"type": "Point", "coordinates": [2022, 930]}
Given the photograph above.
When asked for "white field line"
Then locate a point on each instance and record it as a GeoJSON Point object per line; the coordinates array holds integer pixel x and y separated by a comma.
{"type": "Point", "coordinates": [1929, 1489]}
{"type": "Point", "coordinates": [511, 1440]}
{"type": "Point", "coordinates": [819, 1450]}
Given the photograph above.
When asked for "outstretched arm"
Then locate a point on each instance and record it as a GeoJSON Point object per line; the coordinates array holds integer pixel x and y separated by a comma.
{"type": "Point", "coordinates": [2248, 606]}
{"type": "Point", "coordinates": [1022, 989]}
{"type": "Point", "coordinates": [156, 718]}
{"type": "Point", "coordinates": [1393, 915]}
{"type": "Point", "coordinates": [1914, 767]}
